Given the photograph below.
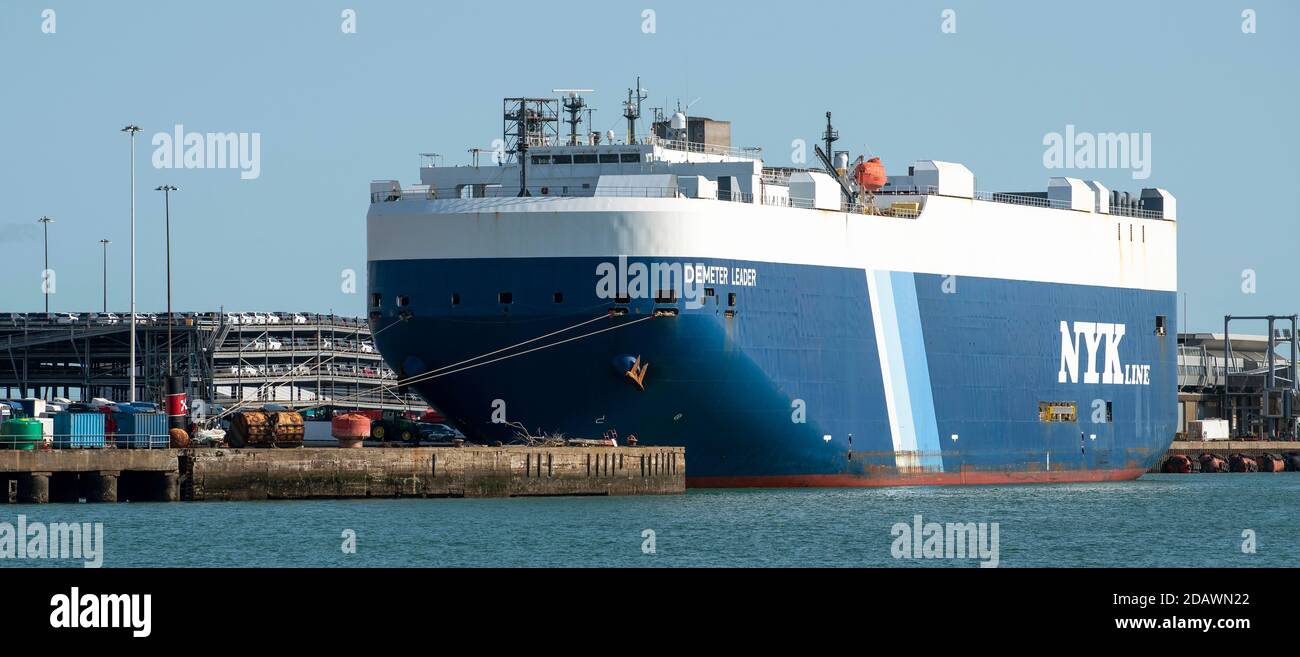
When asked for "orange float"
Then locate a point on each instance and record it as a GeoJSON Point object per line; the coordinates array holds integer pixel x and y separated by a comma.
{"type": "Point", "coordinates": [350, 429]}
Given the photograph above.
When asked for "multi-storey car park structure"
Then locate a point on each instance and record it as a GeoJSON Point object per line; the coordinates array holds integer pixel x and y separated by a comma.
{"type": "Point", "coordinates": [302, 361]}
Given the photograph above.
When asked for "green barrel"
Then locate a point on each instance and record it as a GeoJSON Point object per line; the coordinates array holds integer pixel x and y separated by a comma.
{"type": "Point", "coordinates": [21, 433]}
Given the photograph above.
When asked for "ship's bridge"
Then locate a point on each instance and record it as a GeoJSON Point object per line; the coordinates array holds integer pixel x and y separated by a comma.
{"type": "Point", "coordinates": [613, 169]}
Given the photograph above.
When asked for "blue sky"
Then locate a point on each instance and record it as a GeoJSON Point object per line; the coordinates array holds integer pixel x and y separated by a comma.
{"type": "Point", "coordinates": [336, 110]}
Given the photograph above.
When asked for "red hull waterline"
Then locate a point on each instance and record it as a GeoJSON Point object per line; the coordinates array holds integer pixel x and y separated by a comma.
{"type": "Point", "coordinates": [925, 479]}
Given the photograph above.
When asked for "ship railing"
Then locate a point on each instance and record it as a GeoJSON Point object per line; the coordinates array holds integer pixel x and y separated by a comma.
{"type": "Point", "coordinates": [541, 192]}
{"type": "Point", "coordinates": [1196, 369]}
{"type": "Point", "coordinates": [781, 175]}
{"type": "Point", "coordinates": [850, 208]}
{"type": "Point", "coordinates": [1021, 199]}
{"type": "Point", "coordinates": [1137, 213]}
{"type": "Point", "coordinates": [747, 152]}
{"type": "Point", "coordinates": [72, 441]}
{"type": "Point", "coordinates": [547, 191]}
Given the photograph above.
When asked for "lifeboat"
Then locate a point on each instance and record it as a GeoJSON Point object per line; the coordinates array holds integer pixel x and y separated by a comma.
{"type": "Point", "coordinates": [870, 175]}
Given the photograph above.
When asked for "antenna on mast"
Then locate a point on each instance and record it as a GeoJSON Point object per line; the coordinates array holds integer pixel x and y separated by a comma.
{"type": "Point", "coordinates": [574, 105]}
{"type": "Point", "coordinates": [632, 109]}
{"type": "Point", "coordinates": [846, 184]}
{"type": "Point", "coordinates": [528, 122]}
{"type": "Point", "coordinates": [832, 135]}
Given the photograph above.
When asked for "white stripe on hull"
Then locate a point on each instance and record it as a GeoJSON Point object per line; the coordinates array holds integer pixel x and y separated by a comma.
{"type": "Point", "coordinates": [953, 236]}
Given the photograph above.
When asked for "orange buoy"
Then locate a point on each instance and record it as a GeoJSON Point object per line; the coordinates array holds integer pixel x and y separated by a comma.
{"type": "Point", "coordinates": [1179, 464]}
{"type": "Point", "coordinates": [350, 425]}
{"type": "Point", "coordinates": [350, 429]}
{"type": "Point", "coordinates": [1213, 463]}
{"type": "Point", "coordinates": [870, 175]}
{"type": "Point", "coordinates": [1242, 463]}
{"type": "Point", "coordinates": [1271, 463]}
{"type": "Point", "coordinates": [179, 438]}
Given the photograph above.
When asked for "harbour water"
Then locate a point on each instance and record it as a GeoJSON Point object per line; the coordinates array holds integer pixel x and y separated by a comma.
{"type": "Point", "coordinates": [1158, 520]}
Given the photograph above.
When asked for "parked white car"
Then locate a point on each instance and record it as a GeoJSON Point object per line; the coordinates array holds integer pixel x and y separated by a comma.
{"type": "Point", "coordinates": [232, 318]}
{"type": "Point", "coordinates": [257, 345]}
{"type": "Point", "coordinates": [272, 318]}
{"type": "Point", "coordinates": [245, 318]}
{"type": "Point", "coordinates": [367, 348]}
{"type": "Point", "coordinates": [249, 370]}
{"type": "Point", "coordinates": [299, 319]}
{"type": "Point", "coordinates": [67, 318]}
{"type": "Point", "coordinates": [141, 318]}
{"type": "Point", "coordinates": [106, 318]}
{"type": "Point", "coordinates": [272, 343]}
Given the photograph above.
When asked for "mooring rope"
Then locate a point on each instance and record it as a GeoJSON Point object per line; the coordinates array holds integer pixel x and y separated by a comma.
{"type": "Point", "coordinates": [456, 367]}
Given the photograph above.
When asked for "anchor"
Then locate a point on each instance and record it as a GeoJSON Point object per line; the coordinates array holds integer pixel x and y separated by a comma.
{"type": "Point", "coordinates": [637, 372]}
{"type": "Point", "coordinates": [632, 368]}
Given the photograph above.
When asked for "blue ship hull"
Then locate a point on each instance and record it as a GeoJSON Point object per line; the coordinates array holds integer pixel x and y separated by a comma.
{"type": "Point", "coordinates": [816, 376]}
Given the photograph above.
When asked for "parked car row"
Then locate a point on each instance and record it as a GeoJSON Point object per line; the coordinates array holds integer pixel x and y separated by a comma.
{"type": "Point", "coordinates": [66, 318]}
{"type": "Point", "coordinates": [258, 344]}
{"type": "Point", "coordinates": [106, 318]}
{"type": "Point", "coordinates": [269, 343]}
{"type": "Point", "coordinates": [33, 407]}
{"type": "Point", "coordinates": [329, 369]}
{"type": "Point", "coordinates": [265, 318]}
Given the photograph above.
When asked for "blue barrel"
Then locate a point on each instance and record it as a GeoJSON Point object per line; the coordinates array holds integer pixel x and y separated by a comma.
{"type": "Point", "coordinates": [78, 430]}
{"type": "Point", "coordinates": [141, 430]}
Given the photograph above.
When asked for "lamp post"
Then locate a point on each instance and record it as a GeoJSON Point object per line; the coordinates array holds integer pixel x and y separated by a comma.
{"type": "Point", "coordinates": [167, 212]}
{"type": "Point", "coordinates": [45, 274]}
{"type": "Point", "coordinates": [105, 244]}
{"type": "Point", "coordinates": [131, 130]}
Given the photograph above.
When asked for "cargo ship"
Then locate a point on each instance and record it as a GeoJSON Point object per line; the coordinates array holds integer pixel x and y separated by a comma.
{"type": "Point", "coordinates": [832, 325]}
